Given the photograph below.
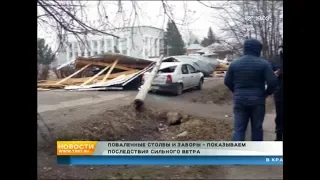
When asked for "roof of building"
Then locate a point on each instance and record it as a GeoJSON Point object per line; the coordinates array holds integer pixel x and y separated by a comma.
{"type": "Point", "coordinates": [194, 47]}
{"type": "Point", "coordinates": [215, 47]}
{"type": "Point", "coordinates": [136, 27]}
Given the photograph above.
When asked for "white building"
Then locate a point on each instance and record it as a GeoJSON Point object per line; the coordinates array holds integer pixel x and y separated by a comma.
{"type": "Point", "coordinates": [140, 41]}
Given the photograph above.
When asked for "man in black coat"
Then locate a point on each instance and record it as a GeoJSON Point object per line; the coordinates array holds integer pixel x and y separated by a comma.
{"type": "Point", "coordinates": [246, 78]}
{"type": "Point", "coordinates": [278, 94]}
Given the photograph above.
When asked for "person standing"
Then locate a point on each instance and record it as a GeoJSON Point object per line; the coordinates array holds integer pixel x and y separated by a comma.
{"type": "Point", "coordinates": [278, 94]}
{"type": "Point", "coordinates": [246, 78]}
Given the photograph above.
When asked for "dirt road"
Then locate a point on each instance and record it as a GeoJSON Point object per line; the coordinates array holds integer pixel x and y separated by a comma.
{"type": "Point", "coordinates": [59, 109]}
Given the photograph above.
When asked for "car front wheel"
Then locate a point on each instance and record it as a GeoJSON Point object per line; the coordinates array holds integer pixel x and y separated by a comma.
{"type": "Point", "coordinates": [199, 87]}
{"type": "Point", "coordinates": [179, 90]}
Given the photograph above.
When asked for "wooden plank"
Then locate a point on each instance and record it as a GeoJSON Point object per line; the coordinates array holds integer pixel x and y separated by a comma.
{"type": "Point", "coordinates": [95, 76]}
{"type": "Point", "coordinates": [56, 86]}
{"type": "Point", "coordinates": [78, 81]}
{"type": "Point", "coordinates": [42, 89]}
{"type": "Point", "coordinates": [110, 70]}
{"type": "Point", "coordinates": [75, 73]}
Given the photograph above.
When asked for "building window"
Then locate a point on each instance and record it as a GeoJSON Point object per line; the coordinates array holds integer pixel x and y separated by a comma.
{"type": "Point", "coordinates": [63, 49]}
{"type": "Point", "coordinates": [76, 54]}
{"type": "Point", "coordinates": [70, 45]}
{"type": "Point", "coordinates": [87, 44]}
{"type": "Point", "coordinates": [161, 48]}
{"type": "Point", "coordinates": [75, 46]}
{"type": "Point", "coordinates": [81, 45]}
{"type": "Point", "coordinates": [95, 53]}
{"type": "Point", "coordinates": [89, 53]}
{"type": "Point", "coordinates": [109, 45]}
{"type": "Point", "coordinates": [82, 53]}
{"type": "Point", "coordinates": [156, 51]}
{"type": "Point", "coordinates": [124, 46]}
{"type": "Point", "coordinates": [146, 49]}
{"type": "Point", "coordinates": [70, 54]}
{"type": "Point", "coordinates": [102, 52]}
{"type": "Point", "coordinates": [116, 43]}
{"type": "Point", "coordinates": [95, 44]}
{"type": "Point", "coordinates": [102, 44]}
{"type": "Point", "coordinates": [151, 46]}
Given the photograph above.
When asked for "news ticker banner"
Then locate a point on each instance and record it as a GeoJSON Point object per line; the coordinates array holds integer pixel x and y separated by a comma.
{"type": "Point", "coordinates": [169, 152]}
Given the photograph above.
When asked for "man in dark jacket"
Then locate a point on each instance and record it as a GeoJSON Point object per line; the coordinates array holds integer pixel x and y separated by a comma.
{"type": "Point", "coordinates": [246, 78]}
{"type": "Point", "coordinates": [278, 94]}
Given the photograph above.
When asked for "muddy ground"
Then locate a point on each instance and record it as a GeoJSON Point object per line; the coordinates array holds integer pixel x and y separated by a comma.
{"type": "Point", "coordinates": [113, 119]}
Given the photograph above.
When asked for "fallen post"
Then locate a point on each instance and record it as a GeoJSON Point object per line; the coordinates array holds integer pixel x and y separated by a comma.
{"type": "Point", "coordinates": [139, 100]}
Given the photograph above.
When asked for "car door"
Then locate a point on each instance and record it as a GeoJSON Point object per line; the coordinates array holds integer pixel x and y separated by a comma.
{"type": "Point", "coordinates": [185, 76]}
{"type": "Point", "coordinates": [193, 75]}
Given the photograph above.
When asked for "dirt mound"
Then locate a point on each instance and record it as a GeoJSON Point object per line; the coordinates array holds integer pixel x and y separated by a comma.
{"type": "Point", "coordinates": [112, 125]}
{"type": "Point", "coordinates": [197, 129]}
{"type": "Point", "coordinates": [218, 94]}
{"type": "Point", "coordinates": [128, 124]}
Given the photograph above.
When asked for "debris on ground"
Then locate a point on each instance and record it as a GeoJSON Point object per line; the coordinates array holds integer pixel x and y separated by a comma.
{"type": "Point", "coordinates": [184, 133]}
{"type": "Point", "coordinates": [110, 70]}
{"type": "Point", "coordinates": [220, 70]}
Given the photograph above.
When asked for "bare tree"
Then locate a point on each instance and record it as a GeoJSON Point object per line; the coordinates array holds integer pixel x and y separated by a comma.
{"type": "Point", "coordinates": [71, 17]}
{"type": "Point", "coordinates": [68, 17]}
{"type": "Point", "coordinates": [261, 20]}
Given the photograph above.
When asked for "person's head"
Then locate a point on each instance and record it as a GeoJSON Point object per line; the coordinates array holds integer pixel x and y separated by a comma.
{"type": "Point", "coordinates": [252, 47]}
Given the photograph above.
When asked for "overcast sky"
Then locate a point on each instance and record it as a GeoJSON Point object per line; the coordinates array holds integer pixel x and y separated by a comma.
{"type": "Point", "coordinates": [198, 18]}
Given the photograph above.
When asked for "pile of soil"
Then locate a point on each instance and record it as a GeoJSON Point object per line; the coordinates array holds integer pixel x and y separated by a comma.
{"type": "Point", "coordinates": [127, 124]}
{"type": "Point", "coordinates": [197, 129]}
{"type": "Point", "coordinates": [124, 123]}
{"type": "Point", "coordinates": [218, 94]}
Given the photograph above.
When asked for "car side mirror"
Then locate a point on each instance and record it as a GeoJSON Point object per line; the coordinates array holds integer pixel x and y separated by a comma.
{"type": "Point", "coordinates": [197, 71]}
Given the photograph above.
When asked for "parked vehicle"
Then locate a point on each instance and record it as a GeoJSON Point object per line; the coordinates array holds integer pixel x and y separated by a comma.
{"type": "Point", "coordinates": [204, 64]}
{"type": "Point", "coordinates": [175, 77]}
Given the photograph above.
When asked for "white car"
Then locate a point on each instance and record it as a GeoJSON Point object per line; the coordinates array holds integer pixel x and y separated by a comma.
{"type": "Point", "coordinates": [175, 77]}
